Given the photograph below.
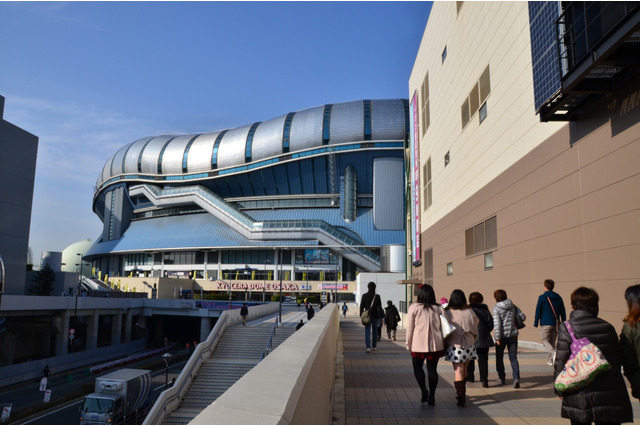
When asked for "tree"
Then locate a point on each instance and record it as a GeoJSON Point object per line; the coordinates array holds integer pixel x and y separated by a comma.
{"type": "Point", "coordinates": [43, 282]}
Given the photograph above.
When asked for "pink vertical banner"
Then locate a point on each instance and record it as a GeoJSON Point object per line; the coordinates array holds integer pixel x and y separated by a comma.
{"type": "Point", "coordinates": [415, 170]}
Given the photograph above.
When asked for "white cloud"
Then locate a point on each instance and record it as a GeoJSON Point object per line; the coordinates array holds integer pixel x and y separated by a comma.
{"type": "Point", "coordinates": [75, 141]}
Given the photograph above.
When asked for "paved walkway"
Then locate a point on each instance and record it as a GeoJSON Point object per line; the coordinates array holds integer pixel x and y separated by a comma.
{"type": "Point", "coordinates": [379, 388]}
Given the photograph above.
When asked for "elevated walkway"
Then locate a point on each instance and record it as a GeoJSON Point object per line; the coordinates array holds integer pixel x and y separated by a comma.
{"type": "Point", "coordinates": [266, 230]}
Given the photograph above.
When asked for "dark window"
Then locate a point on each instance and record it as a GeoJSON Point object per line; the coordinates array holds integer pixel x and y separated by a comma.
{"type": "Point", "coordinates": [249, 145]}
{"type": "Point", "coordinates": [367, 119]}
{"type": "Point", "coordinates": [482, 237]}
{"type": "Point", "coordinates": [286, 132]}
{"type": "Point", "coordinates": [214, 153]}
{"type": "Point", "coordinates": [326, 124]}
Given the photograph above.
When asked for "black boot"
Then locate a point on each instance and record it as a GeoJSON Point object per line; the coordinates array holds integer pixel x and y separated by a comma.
{"type": "Point", "coordinates": [432, 397]}
{"type": "Point", "coordinates": [425, 395]}
{"type": "Point", "coordinates": [460, 392]}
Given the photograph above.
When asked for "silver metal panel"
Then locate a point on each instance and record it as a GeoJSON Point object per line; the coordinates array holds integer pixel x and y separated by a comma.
{"type": "Point", "coordinates": [199, 157]}
{"type": "Point", "coordinates": [306, 129]}
{"type": "Point", "coordinates": [173, 155]}
{"type": "Point", "coordinates": [151, 153]}
{"type": "Point", "coordinates": [387, 119]}
{"type": "Point", "coordinates": [105, 174]}
{"type": "Point", "coordinates": [267, 140]}
{"type": "Point", "coordinates": [231, 151]}
{"type": "Point", "coordinates": [347, 122]}
{"type": "Point", "coordinates": [131, 161]}
{"type": "Point", "coordinates": [388, 200]}
{"type": "Point", "coordinates": [116, 165]}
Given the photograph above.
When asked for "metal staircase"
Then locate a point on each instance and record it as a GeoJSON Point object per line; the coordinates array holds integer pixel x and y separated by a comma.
{"type": "Point", "coordinates": [238, 351]}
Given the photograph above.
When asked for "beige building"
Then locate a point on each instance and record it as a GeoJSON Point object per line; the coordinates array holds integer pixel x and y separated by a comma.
{"type": "Point", "coordinates": [526, 169]}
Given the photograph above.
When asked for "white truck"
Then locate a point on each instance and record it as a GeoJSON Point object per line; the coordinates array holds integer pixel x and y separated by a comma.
{"type": "Point", "coordinates": [122, 396]}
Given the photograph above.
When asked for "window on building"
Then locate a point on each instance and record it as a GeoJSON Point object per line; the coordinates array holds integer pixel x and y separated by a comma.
{"type": "Point", "coordinates": [444, 54]}
{"type": "Point", "coordinates": [459, 6]}
{"type": "Point", "coordinates": [428, 266]}
{"type": "Point", "coordinates": [426, 179]}
{"type": "Point", "coordinates": [449, 268]}
{"type": "Point", "coordinates": [482, 237]}
{"type": "Point", "coordinates": [483, 112]}
{"type": "Point", "coordinates": [447, 159]}
{"type": "Point", "coordinates": [426, 118]}
{"type": "Point", "coordinates": [488, 261]}
{"type": "Point", "coordinates": [476, 101]}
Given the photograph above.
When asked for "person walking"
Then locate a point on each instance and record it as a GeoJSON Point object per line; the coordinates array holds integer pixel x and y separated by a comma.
{"type": "Point", "coordinates": [310, 312]}
{"type": "Point", "coordinates": [506, 335]}
{"type": "Point", "coordinates": [605, 400]}
{"type": "Point", "coordinates": [549, 313]}
{"type": "Point", "coordinates": [299, 326]}
{"type": "Point", "coordinates": [345, 308]}
{"type": "Point", "coordinates": [391, 319]}
{"type": "Point", "coordinates": [484, 341]}
{"type": "Point", "coordinates": [45, 371]}
{"type": "Point", "coordinates": [244, 311]}
{"type": "Point", "coordinates": [461, 349]}
{"type": "Point", "coordinates": [424, 340]}
{"type": "Point", "coordinates": [630, 340]}
{"type": "Point", "coordinates": [371, 301]}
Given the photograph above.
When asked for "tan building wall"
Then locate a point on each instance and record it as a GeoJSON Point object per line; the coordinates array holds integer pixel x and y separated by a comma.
{"type": "Point", "coordinates": [565, 196]}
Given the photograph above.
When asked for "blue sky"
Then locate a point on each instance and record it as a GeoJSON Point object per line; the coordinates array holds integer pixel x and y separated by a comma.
{"type": "Point", "coordinates": [90, 77]}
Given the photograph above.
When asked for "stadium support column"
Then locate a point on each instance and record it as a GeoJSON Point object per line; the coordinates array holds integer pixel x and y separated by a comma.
{"type": "Point", "coordinates": [116, 327]}
{"type": "Point", "coordinates": [92, 330]}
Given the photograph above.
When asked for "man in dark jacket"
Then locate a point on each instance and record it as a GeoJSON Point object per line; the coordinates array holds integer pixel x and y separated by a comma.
{"type": "Point", "coordinates": [371, 301]}
{"type": "Point", "coordinates": [550, 307]}
{"type": "Point", "coordinates": [484, 341]}
{"type": "Point", "coordinates": [244, 311]}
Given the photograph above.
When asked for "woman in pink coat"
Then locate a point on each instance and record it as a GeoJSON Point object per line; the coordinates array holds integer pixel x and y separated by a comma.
{"type": "Point", "coordinates": [424, 340]}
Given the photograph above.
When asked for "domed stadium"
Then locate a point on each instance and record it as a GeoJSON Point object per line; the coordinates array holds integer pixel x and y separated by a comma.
{"type": "Point", "coordinates": [323, 187]}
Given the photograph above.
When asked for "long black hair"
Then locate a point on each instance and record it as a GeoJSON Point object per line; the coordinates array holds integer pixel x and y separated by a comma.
{"type": "Point", "coordinates": [457, 300]}
{"type": "Point", "coordinates": [427, 296]}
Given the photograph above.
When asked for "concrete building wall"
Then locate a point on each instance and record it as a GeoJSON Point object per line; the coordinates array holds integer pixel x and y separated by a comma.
{"type": "Point", "coordinates": [18, 150]}
{"type": "Point", "coordinates": [563, 195]}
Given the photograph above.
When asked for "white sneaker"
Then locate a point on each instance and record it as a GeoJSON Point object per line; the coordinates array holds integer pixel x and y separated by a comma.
{"type": "Point", "coordinates": [369, 350]}
{"type": "Point", "coordinates": [374, 349]}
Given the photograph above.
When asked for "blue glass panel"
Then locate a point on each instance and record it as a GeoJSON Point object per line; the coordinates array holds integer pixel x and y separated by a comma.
{"type": "Point", "coordinates": [256, 183]}
{"type": "Point", "coordinates": [286, 132]}
{"type": "Point", "coordinates": [544, 50]}
{"type": "Point", "coordinates": [367, 119]}
{"type": "Point", "coordinates": [306, 176]}
{"type": "Point", "coordinates": [293, 171]}
{"type": "Point", "coordinates": [249, 144]}
{"type": "Point", "coordinates": [320, 172]}
{"type": "Point", "coordinates": [281, 180]}
{"type": "Point", "coordinates": [216, 145]}
{"type": "Point", "coordinates": [245, 184]}
{"type": "Point", "coordinates": [234, 186]}
{"type": "Point", "coordinates": [326, 124]}
{"type": "Point", "coordinates": [269, 181]}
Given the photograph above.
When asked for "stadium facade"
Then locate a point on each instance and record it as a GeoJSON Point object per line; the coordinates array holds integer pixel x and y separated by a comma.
{"type": "Point", "coordinates": [318, 193]}
{"type": "Point", "coordinates": [525, 144]}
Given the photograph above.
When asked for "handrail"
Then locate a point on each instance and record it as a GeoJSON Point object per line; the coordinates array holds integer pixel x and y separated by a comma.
{"type": "Point", "coordinates": [270, 343]}
{"type": "Point", "coordinates": [171, 397]}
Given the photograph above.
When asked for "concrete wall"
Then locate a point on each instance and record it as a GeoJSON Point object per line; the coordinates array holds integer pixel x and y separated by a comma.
{"type": "Point", "coordinates": [293, 385]}
{"type": "Point", "coordinates": [17, 175]}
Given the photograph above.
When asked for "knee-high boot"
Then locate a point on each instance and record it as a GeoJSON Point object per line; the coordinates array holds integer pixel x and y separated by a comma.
{"type": "Point", "coordinates": [460, 392]}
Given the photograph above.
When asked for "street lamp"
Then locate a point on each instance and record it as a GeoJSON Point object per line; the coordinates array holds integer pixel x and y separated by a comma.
{"type": "Point", "coordinates": [166, 357]}
{"type": "Point", "coordinates": [264, 284]}
{"type": "Point", "coordinates": [280, 294]}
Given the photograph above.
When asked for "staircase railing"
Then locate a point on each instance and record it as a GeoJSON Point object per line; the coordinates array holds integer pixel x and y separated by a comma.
{"type": "Point", "coordinates": [270, 343]}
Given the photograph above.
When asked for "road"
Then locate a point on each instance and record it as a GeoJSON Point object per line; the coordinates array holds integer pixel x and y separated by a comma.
{"type": "Point", "coordinates": [69, 414]}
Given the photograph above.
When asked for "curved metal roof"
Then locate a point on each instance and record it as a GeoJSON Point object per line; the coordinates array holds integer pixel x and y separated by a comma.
{"type": "Point", "coordinates": [385, 119]}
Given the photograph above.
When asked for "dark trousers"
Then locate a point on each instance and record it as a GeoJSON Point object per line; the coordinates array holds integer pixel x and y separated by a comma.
{"type": "Point", "coordinates": [432, 365]}
{"type": "Point", "coordinates": [483, 365]}
{"type": "Point", "coordinates": [512, 346]}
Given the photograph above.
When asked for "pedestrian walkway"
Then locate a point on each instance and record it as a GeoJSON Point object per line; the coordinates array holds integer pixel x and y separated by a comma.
{"type": "Point", "coordinates": [379, 388]}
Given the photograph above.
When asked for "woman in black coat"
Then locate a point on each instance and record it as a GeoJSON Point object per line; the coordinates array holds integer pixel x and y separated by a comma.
{"type": "Point", "coordinates": [605, 400]}
{"type": "Point", "coordinates": [484, 342]}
